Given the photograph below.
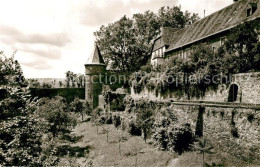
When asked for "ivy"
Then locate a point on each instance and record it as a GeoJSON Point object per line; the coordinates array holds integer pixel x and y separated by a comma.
{"type": "Point", "coordinates": [203, 70]}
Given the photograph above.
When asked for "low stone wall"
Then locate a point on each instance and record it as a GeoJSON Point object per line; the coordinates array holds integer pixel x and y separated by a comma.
{"type": "Point", "coordinates": [235, 131]}
{"type": "Point", "coordinates": [247, 84]}
{"type": "Point", "coordinates": [68, 93]}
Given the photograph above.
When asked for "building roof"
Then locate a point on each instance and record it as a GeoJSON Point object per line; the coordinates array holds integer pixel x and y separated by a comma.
{"type": "Point", "coordinates": [164, 38]}
{"type": "Point", "coordinates": [95, 58]}
{"type": "Point", "coordinates": [215, 23]}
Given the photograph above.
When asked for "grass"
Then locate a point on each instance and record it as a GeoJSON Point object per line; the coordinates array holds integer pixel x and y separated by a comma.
{"type": "Point", "coordinates": [220, 159]}
{"type": "Point", "coordinates": [92, 149]}
{"type": "Point", "coordinates": [133, 149]}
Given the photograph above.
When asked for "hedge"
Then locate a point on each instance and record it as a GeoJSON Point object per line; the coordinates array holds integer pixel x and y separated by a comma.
{"type": "Point", "coordinates": [68, 93]}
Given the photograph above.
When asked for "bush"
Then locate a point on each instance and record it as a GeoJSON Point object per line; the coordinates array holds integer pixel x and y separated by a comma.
{"type": "Point", "coordinates": [134, 130]}
{"type": "Point", "coordinates": [105, 118]}
{"type": "Point", "coordinates": [71, 151]}
{"type": "Point", "coordinates": [117, 121]}
{"type": "Point", "coordinates": [170, 134]}
{"type": "Point", "coordinates": [147, 68]}
{"type": "Point", "coordinates": [96, 113]}
{"type": "Point", "coordinates": [109, 119]}
{"type": "Point", "coordinates": [56, 113]}
{"type": "Point", "coordinates": [234, 132]}
{"type": "Point", "coordinates": [175, 138]}
{"type": "Point", "coordinates": [180, 138]}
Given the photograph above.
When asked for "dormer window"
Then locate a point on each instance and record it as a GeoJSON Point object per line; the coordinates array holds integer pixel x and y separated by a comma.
{"type": "Point", "coordinates": [252, 7]}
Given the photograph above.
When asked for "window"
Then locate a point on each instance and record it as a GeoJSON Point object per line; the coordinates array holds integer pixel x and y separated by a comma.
{"type": "Point", "coordinates": [251, 9]}
{"type": "Point", "coordinates": [162, 51]}
{"type": "Point", "coordinates": [180, 54]}
{"type": "Point", "coordinates": [248, 12]}
{"type": "Point", "coordinates": [222, 41]}
{"type": "Point", "coordinates": [254, 9]}
{"type": "Point", "coordinates": [184, 55]}
{"type": "Point", "coordinates": [213, 49]}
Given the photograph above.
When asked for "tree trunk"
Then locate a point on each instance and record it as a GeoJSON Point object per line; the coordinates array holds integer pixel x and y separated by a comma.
{"type": "Point", "coordinates": [120, 147]}
{"type": "Point", "coordinates": [107, 135]}
{"type": "Point", "coordinates": [203, 159]}
{"type": "Point", "coordinates": [136, 160]}
{"type": "Point", "coordinates": [82, 117]}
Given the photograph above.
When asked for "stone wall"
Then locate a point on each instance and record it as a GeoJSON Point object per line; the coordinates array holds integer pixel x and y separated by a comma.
{"type": "Point", "coordinates": [68, 93]}
{"type": "Point", "coordinates": [248, 91]}
{"type": "Point", "coordinates": [235, 131]}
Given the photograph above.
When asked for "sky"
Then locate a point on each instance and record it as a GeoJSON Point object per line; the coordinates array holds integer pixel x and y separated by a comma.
{"type": "Point", "coordinates": [51, 37]}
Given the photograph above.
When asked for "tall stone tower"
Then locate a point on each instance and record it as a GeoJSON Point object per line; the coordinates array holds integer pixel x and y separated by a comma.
{"type": "Point", "coordinates": [94, 69]}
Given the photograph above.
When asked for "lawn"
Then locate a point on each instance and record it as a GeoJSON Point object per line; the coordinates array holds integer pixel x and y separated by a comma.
{"type": "Point", "coordinates": [102, 150]}
{"type": "Point", "coordinates": [133, 150]}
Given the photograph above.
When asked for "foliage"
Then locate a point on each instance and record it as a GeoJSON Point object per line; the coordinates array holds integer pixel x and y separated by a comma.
{"type": "Point", "coordinates": [46, 85]}
{"type": "Point", "coordinates": [126, 44]}
{"type": "Point", "coordinates": [134, 129]}
{"type": "Point", "coordinates": [34, 83]}
{"type": "Point", "coordinates": [20, 133]}
{"type": "Point", "coordinates": [24, 120]}
{"type": "Point", "coordinates": [170, 134]}
{"type": "Point", "coordinates": [204, 69]}
{"type": "Point", "coordinates": [74, 80]}
{"type": "Point", "coordinates": [68, 93]}
{"type": "Point", "coordinates": [21, 141]}
{"type": "Point", "coordinates": [175, 18]}
{"type": "Point", "coordinates": [55, 111]}
{"type": "Point", "coordinates": [116, 121]}
{"type": "Point", "coordinates": [145, 120]}
{"type": "Point", "coordinates": [203, 147]}
{"type": "Point", "coordinates": [76, 151]}
{"type": "Point", "coordinates": [242, 49]}
{"type": "Point", "coordinates": [97, 112]}
{"type": "Point", "coordinates": [190, 78]}
{"type": "Point", "coordinates": [10, 72]}
{"type": "Point", "coordinates": [79, 106]}
{"type": "Point", "coordinates": [103, 117]}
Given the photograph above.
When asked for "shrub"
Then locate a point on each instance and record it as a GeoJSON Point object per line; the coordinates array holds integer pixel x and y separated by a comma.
{"type": "Point", "coordinates": [180, 138]}
{"type": "Point", "coordinates": [105, 118]}
{"type": "Point", "coordinates": [170, 134]}
{"type": "Point", "coordinates": [234, 132]}
{"type": "Point", "coordinates": [109, 119]}
{"type": "Point", "coordinates": [174, 138]}
{"type": "Point", "coordinates": [55, 112]}
{"type": "Point", "coordinates": [134, 129]}
{"type": "Point", "coordinates": [117, 121]}
{"type": "Point", "coordinates": [147, 68]}
{"type": "Point", "coordinates": [250, 117]}
{"type": "Point", "coordinates": [72, 151]}
{"type": "Point", "coordinates": [97, 112]}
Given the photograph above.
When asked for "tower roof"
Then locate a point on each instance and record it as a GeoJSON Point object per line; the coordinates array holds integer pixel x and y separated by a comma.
{"type": "Point", "coordinates": [96, 57]}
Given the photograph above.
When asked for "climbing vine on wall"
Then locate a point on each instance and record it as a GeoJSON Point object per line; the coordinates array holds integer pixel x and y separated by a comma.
{"type": "Point", "coordinates": [204, 69]}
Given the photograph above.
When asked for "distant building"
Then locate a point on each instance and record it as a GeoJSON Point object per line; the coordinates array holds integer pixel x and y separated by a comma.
{"type": "Point", "coordinates": [211, 30]}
